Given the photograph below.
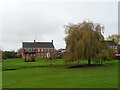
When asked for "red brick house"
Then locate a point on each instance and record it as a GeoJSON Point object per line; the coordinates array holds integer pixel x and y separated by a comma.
{"type": "Point", "coordinates": [37, 49]}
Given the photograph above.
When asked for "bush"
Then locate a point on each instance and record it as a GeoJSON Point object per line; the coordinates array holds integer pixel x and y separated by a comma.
{"type": "Point", "coordinates": [57, 55]}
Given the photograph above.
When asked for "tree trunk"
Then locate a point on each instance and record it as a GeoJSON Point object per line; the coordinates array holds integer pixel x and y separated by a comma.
{"type": "Point", "coordinates": [89, 61]}
{"type": "Point", "coordinates": [50, 61]}
{"type": "Point", "coordinates": [25, 59]}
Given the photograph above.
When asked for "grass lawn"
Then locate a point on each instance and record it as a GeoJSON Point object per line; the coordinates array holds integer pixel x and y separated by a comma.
{"type": "Point", "coordinates": [40, 74]}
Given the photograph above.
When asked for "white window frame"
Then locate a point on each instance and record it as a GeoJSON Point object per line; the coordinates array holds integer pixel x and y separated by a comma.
{"type": "Point", "coordinates": [41, 49]}
{"type": "Point", "coordinates": [38, 49]}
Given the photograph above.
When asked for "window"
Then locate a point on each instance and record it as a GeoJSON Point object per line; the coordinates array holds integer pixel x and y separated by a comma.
{"type": "Point", "coordinates": [44, 55]}
{"type": "Point", "coordinates": [32, 50]}
{"type": "Point", "coordinates": [38, 54]}
{"type": "Point", "coordinates": [38, 49]}
{"type": "Point", "coordinates": [112, 47]}
{"type": "Point", "coordinates": [44, 50]}
{"type": "Point", "coordinates": [41, 54]}
{"type": "Point", "coordinates": [41, 50]}
{"type": "Point", "coordinates": [28, 50]}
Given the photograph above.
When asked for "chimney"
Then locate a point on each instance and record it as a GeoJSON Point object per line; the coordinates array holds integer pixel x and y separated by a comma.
{"type": "Point", "coordinates": [52, 41]}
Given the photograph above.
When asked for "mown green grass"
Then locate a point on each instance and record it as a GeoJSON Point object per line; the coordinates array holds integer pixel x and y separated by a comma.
{"type": "Point", "coordinates": [40, 74]}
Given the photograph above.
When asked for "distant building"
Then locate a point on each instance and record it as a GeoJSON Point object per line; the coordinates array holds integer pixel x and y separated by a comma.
{"type": "Point", "coordinates": [113, 45]}
{"type": "Point", "coordinates": [37, 49]}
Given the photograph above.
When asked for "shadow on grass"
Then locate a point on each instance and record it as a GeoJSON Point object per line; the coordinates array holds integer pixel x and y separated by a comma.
{"type": "Point", "coordinates": [23, 67]}
{"type": "Point", "coordinates": [86, 66]}
{"type": "Point", "coordinates": [56, 66]}
{"type": "Point", "coordinates": [28, 67]}
{"type": "Point", "coordinates": [8, 69]}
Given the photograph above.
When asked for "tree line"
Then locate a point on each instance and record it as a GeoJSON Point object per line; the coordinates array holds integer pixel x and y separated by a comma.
{"type": "Point", "coordinates": [84, 41]}
{"type": "Point", "coordinates": [9, 54]}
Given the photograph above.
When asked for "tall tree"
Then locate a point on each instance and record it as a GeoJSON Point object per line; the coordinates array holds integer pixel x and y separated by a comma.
{"type": "Point", "coordinates": [84, 41]}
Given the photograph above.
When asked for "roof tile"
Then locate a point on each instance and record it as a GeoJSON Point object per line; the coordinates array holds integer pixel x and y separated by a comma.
{"type": "Point", "coordinates": [38, 45]}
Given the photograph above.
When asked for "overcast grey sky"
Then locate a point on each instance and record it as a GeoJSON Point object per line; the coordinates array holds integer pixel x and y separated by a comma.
{"type": "Point", "coordinates": [25, 20]}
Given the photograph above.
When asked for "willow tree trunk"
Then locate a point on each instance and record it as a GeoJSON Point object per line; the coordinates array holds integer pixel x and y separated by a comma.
{"type": "Point", "coordinates": [50, 61]}
{"type": "Point", "coordinates": [89, 61]}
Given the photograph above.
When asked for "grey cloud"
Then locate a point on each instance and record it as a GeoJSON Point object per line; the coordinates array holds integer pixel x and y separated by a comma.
{"type": "Point", "coordinates": [24, 21]}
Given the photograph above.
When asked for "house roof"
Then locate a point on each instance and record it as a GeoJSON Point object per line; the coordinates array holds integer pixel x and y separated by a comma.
{"type": "Point", "coordinates": [38, 45]}
{"type": "Point", "coordinates": [111, 43]}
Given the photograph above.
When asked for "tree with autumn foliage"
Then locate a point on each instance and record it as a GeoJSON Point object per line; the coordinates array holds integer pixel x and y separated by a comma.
{"type": "Point", "coordinates": [114, 37]}
{"type": "Point", "coordinates": [85, 42]}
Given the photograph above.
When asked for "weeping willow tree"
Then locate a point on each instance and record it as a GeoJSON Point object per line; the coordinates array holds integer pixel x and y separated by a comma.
{"type": "Point", "coordinates": [85, 41]}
